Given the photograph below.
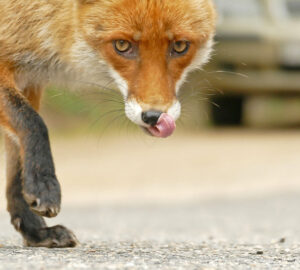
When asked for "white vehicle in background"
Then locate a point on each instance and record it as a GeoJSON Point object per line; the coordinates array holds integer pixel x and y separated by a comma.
{"type": "Point", "coordinates": [258, 48]}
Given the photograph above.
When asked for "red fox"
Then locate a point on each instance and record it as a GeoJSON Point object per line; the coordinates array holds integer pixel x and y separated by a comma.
{"type": "Point", "coordinates": [146, 46]}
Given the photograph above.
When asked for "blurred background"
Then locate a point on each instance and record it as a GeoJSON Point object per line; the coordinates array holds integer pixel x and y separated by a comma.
{"type": "Point", "coordinates": [257, 61]}
{"type": "Point", "coordinates": [238, 135]}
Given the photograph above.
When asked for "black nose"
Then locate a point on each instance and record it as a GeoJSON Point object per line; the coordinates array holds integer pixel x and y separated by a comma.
{"type": "Point", "coordinates": [151, 117]}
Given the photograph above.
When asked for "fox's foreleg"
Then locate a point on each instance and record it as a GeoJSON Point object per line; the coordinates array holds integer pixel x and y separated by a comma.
{"type": "Point", "coordinates": [32, 187]}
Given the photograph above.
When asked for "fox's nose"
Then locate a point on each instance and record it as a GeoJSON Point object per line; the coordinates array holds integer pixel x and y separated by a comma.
{"type": "Point", "coordinates": [151, 117]}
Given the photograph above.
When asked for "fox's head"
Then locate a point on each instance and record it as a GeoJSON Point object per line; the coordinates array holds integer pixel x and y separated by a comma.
{"type": "Point", "coordinates": [149, 47]}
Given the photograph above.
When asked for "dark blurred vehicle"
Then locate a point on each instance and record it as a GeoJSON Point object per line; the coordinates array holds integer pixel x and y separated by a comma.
{"type": "Point", "coordinates": [257, 51]}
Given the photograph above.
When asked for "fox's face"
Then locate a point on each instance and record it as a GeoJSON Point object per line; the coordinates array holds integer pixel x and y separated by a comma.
{"type": "Point", "coordinates": [150, 46]}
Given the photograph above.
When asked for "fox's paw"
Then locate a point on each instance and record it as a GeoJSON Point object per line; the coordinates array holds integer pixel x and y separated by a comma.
{"type": "Point", "coordinates": [53, 237]}
{"type": "Point", "coordinates": [42, 193]}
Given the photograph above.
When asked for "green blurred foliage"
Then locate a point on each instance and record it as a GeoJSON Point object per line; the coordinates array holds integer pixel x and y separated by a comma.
{"type": "Point", "coordinates": [83, 111]}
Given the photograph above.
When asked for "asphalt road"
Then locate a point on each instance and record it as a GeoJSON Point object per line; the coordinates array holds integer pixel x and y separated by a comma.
{"type": "Point", "coordinates": [256, 233]}
{"type": "Point", "coordinates": [215, 200]}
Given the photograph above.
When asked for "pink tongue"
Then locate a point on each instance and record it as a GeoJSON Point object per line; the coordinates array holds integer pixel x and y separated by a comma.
{"type": "Point", "coordinates": [164, 127]}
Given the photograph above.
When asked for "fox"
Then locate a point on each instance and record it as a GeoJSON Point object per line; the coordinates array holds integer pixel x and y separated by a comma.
{"type": "Point", "coordinates": [146, 46]}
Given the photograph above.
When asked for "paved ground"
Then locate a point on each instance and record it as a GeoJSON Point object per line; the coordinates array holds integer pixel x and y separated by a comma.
{"type": "Point", "coordinates": [239, 234]}
{"type": "Point", "coordinates": [213, 201]}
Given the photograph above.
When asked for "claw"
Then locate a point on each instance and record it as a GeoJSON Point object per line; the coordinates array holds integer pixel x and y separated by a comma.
{"type": "Point", "coordinates": [52, 211]}
{"type": "Point", "coordinates": [38, 202]}
{"type": "Point", "coordinates": [17, 223]}
{"type": "Point", "coordinates": [55, 243]}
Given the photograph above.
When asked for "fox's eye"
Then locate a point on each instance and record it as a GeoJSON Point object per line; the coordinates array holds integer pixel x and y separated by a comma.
{"type": "Point", "coordinates": [125, 48]}
{"type": "Point", "coordinates": [180, 47]}
{"type": "Point", "coordinates": [122, 46]}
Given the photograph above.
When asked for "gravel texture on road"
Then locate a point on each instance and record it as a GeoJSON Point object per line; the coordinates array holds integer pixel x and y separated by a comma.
{"type": "Point", "coordinates": [177, 216]}
{"type": "Point", "coordinates": [258, 233]}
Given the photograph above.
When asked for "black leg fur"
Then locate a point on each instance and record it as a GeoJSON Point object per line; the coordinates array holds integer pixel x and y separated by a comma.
{"type": "Point", "coordinates": [41, 189]}
{"type": "Point", "coordinates": [30, 225]}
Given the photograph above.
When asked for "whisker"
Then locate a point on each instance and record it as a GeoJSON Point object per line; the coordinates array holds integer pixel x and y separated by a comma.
{"type": "Point", "coordinates": [104, 115]}
{"type": "Point", "coordinates": [109, 124]}
{"type": "Point", "coordinates": [97, 85]}
{"type": "Point", "coordinates": [228, 72]}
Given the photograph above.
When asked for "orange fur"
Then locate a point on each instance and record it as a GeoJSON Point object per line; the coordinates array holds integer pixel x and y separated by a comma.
{"type": "Point", "coordinates": [152, 78]}
{"type": "Point", "coordinates": [6, 80]}
{"type": "Point", "coordinates": [7, 83]}
{"type": "Point", "coordinates": [33, 94]}
{"type": "Point", "coordinates": [50, 41]}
